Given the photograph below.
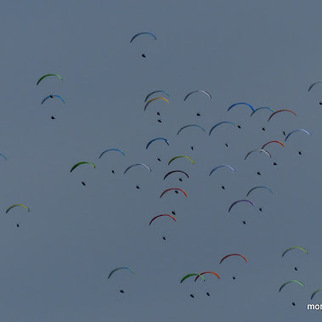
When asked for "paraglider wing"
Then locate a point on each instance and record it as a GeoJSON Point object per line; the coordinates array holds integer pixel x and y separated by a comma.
{"type": "Point", "coordinates": [191, 125]}
{"type": "Point", "coordinates": [2, 155]}
{"type": "Point", "coordinates": [258, 187]}
{"type": "Point", "coordinates": [156, 139]}
{"type": "Point", "coordinates": [238, 201]}
{"type": "Point", "coordinates": [222, 166]}
{"type": "Point", "coordinates": [161, 216]}
{"type": "Point", "coordinates": [118, 268]}
{"type": "Point", "coordinates": [17, 205]}
{"type": "Point", "coordinates": [298, 130]}
{"type": "Point", "coordinates": [319, 290]}
{"type": "Point", "coordinates": [143, 33]}
{"type": "Point", "coordinates": [154, 92]}
{"type": "Point", "coordinates": [231, 106]}
{"type": "Point", "coordinates": [283, 110]}
{"type": "Point", "coordinates": [291, 281]}
{"type": "Point", "coordinates": [296, 247]}
{"type": "Point", "coordinates": [208, 272]}
{"type": "Point", "coordinates": [137, 164]}
{"type": "Point", "coordinates": [153, 99]}
{"type": "Point", "coordinates": [279, 142]}
{"type": "Point", "coordinates": [223, 122]}
{"type": "Point", "coordinates": [80, 163]}
{"type": "Point", "coordinates": [181, 156]}
{"type": "Point", "coordinates": [189, 275]}
{"type": "Point", "coordinates": [262, 108]}
{"type": "Point", "coordinates": [170, 189]}
{"type": "Point", "coordinates": [47, 75]}
{"type": "Point", "coordinates": [243, 257]}
{"type": "Point", "coordinates": [260, 150]}
{"type": "Point", "coordinates": [200, 91]}
{"type": "Point", "coordinates": [108, 150]}
{"type": "Point", "coordinates": [175, 171]}
{"type": "Point", "coordinates": [52, 96]}
{"type": "Point", "coordinates": [318, 82]}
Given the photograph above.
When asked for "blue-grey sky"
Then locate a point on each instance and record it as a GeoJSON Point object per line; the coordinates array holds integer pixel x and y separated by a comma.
{"type": "Point", "coordinates": [54, 267]}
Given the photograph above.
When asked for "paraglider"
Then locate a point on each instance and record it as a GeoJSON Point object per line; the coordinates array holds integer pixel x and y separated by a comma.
{"type": "Point", "coordinates": [220, 123]}
{"type": "Point", "coordinates": [291, 281]}
{"type": "Point", "coordinates": [181, 156]}
{"type": "Point", "coordinates": [208, 272]}
{"type": "Point", "coordinates": [175, 189]}
{"type": "Point", "coordinates": [231, 106]}
{"type": "Point", "coordinates": [135, 165]}
{"type": "Point", "coordinates": [80, 163]}
{"type": "Point", "coordinates": [176, 171]}
{"type": "Point", "coordinates": [191, 274]}
{"type": "Point", "coordinates": [312, 85]}
{"type": "Point", "coordinates": [52, 96]}
{"type": "Point", "coordinates": [282, 110]}
{"type": "Point", "coordinates": [261, 108]}
{"type": "Point", "coordinates": [259, 187]}
{"type": "Point", "coordinates": [47, 75]}
{"type": "Point", "coordinates": [3, 156]}
{"type": "Point", "coordinates": [222, 166]}
{"type": "Point", "coordinates": [243, 257]}
{"type": "Point", "coordinates": [143, 33]}
{"type": "Point", "coordinates": [191, 125]}
{"type": "Point", "coordinates": [161, 216]}
{"type": "Point", "coordinates": [153, 99]}
{"type": "Point", "coordinates": [198, 91]}
{"type": "Point", "coordinates": [157, 139]}
{"type": "Point", "coordinates": [120, 268]}
{"type": "Point", "coordinates": [18, 205]}
{"type": "Point", "coordinates": [298, 130]}
{"type": "Point", "coordinates": [275, 141]}
{"type": "Point", "coordinates": [108, 150]}
{"type": "Point", "coordinates": [238, 201]}
{"type": "Point", "coordinates": [295, 247]}
{"type": "Point", "coordinates": [154, 92]}
{"type": "Point", "coordinates": [258, 150]}
{"type": "Point", "coordinates": [317, 291]}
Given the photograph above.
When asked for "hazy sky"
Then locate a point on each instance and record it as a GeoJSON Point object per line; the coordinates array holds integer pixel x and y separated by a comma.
{"type": "Point", "coordinates": [54, 267]}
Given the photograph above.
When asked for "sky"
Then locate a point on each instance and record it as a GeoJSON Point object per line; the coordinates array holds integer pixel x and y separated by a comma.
{"type": "Point", "coordinates": [54, 266]}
